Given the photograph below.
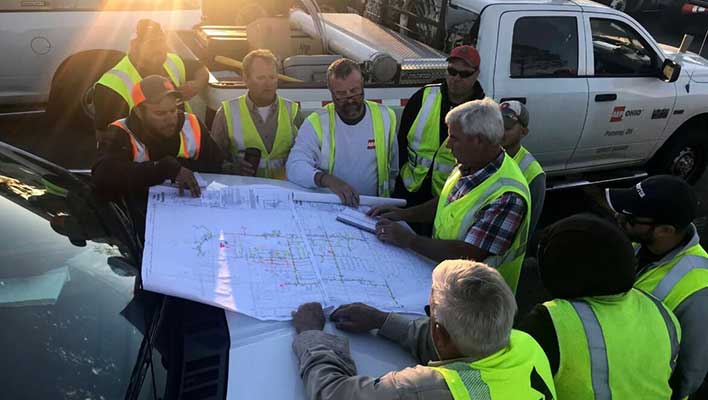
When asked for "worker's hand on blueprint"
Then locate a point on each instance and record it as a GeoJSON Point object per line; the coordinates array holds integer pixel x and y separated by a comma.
{"type": "Point", "coordinates": [185, 180]}
{"type": "Point", "coordinates": [308, 317]}
{"type": "Point", "coordinates": [392, 232]}
{"type": "Point", "coordinates": [358, 318]}
{"type": "Point", "coordinates": [347, 194]}
{"type": "Point", "coordinates": [388, 212]}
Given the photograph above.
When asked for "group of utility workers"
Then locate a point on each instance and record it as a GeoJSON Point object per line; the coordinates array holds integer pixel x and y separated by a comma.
{"type": "Point", "coordinates": [626, 316]}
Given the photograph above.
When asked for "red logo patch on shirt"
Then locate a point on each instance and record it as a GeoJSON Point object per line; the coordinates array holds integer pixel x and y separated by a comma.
{"type": "Point", "coordinates": [371, 145]}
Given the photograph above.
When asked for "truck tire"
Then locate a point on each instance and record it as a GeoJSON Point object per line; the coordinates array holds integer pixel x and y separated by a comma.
{"type": "Point", "coordinates": [685, 154]}
{"type": "Point", "coordinates": [71, 95]}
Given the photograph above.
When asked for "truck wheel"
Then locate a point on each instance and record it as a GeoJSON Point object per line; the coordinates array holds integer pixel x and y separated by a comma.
{"type": "Point", "coordinates": [684, 155]}
{"type": "Point", "coordinates": [71, 95]}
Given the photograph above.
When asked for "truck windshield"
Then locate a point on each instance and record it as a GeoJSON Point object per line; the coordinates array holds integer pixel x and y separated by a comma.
{"type": "Point", "coordinates": [72, 327]}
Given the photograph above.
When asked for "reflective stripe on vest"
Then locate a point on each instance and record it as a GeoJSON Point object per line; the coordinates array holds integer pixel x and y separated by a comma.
{"type": "Point", "coordinates": [678, 275]}
{"type": "Point", "coordinates": [528, 164]}
{"type": "Point", "coordinates": [599, 367]}
{"type": "Point", "coordinates": [601, 341]}
{"type": "Point", "coordinates": [453, 220]}
{"type": "Point", "coordinates": [140, 152]}
{"type": "Point", "coordinates": [424, 147]}
{"type": "Point", "coordinates": [685, 265]}
{"type": "Point", "coordinates": [381, 118]}
{"type": "Point", "coordinates": [243, 134]}
{"type": "Point", "coordinates": [520, 371]}
{"type": "Point", "coordinates": [670, 327]}
{"type": "Point", "coordinates": [127, 76]}
{"type": "Point", "coordinates": [189, 139]}
{"type": "Point", "coordinates": [466, 383]}
{"type": "Point", "coordinates": [174, 66]}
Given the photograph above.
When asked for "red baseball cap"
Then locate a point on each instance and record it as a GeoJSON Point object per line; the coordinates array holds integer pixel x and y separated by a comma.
{"type": "Point", "coordinates": [152, 90]}
{"type": "Point", "coordinates": [466, 53]}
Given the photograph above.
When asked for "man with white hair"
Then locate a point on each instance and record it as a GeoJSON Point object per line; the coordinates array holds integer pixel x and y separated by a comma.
{"type": "Point", "coordinates": [466, 348]}
{"type": "Point", "coordinates": [483, 211]}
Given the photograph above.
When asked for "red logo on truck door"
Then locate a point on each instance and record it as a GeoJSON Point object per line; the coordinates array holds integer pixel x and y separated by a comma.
{"type": "Point", "coordinates": [617, 114]}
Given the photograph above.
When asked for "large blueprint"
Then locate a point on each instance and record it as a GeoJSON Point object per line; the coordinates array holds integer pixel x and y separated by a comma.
{"type": "Point", "coordinates": [255, 250]}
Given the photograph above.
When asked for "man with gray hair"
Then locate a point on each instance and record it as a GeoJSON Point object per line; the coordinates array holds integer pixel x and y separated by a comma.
{"type": "Point", "coordinates": [483, 211]}
{"type": "Point", "coordinates": [466, 347]}
{"type": "Point", "coordinates": [362, 132]}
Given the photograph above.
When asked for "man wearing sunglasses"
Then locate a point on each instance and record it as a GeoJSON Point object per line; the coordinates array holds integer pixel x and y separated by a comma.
{"type": "Point", "coordinates": [349, 146]}
{"type": "Point", "coordinates": [155, 143]}
{"type": "Point", "coordinates": [657, 215]}
{"type": "Point", "coordinates": [423, 130]}
{"type": "Point", "coordinates": [516, 127]}
{"type": "Point", "coordinates": [603, 338]}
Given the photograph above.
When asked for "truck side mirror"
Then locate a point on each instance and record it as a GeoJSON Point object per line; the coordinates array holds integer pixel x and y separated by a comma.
{"type": "Point", "coordinates": [670, 71]}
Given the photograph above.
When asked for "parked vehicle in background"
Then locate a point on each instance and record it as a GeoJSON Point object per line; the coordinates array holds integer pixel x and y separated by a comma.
{"type": "Point", "coordinates": [607, 101]}
{"type": "Point", "coordinates": [54, 50]}
{"type": "Point", "coordinates": [76, 324]}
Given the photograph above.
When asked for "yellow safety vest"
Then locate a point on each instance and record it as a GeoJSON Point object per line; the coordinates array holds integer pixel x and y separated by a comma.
{"type": "Point", "coordinates": [123, 76]}
{"type": "Point", "coordinates": [519, 372]}
{"type": "Point", "coordinates": [190, 139]}
{"type": "Point", "coordinates": [383, 120]}
{"type": "Point", "coordinates": [528, 164]}
{"type": "Point", "coordinates": [615, 347]}
{"type": "Point", "coordinates": [678, 275]}
{"type": "Point", "coordinates": [243, 134]}
{"type": "Point", "coordinates": [424, 147]}
{"type": "Point", "coordinates": [453, 220]}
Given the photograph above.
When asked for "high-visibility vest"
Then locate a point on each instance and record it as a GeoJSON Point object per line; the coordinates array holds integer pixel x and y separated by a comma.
{"type": "Point", "coordinates": [528, 164]}
{"type": "Point", "coordinates": [243, 134]}
{"type": "Point", "coordinates": [190, 139]}
{"type": "Point", "coordinates": [520, 372]}
{"type": "Point", "coordinates": [615, 347]}
{"type": "Point", "coordinates": [453, 220]}
{"type": "Point", "coordinates": [383, 121]}
{"type": "Point", "coordinates": [678, 275]}
{"type": "Point", "coordinates": [424, 147]}
{"type": "Point", "coordinates": [123, 76]}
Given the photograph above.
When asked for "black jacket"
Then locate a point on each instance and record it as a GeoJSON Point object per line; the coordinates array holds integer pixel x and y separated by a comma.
{"type": "Point", "coordinates": [115, 174]}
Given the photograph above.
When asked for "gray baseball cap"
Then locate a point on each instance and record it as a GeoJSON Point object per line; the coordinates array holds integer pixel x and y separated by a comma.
{"type": "Point", "coordinates": [514, 111]}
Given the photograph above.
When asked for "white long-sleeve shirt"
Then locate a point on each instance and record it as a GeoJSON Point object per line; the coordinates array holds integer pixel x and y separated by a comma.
{"type": "Point", "coordinates": [354, 157]}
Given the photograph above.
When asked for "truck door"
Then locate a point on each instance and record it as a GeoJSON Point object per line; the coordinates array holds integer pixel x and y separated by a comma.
{"type": "Point", "coordinates": [539, 62]}
{"type": "Point", "coordinates": [629, 104]}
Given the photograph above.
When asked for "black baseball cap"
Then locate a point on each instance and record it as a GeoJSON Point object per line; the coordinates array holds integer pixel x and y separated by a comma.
{"type": "Point", "coordinates": [153, 89]}
{"type": "Point", "coordinates": [664, 199]}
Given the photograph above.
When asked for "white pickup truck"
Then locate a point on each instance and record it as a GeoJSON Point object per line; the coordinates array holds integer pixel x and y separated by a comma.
{"type": "Point", "coordinates": [603, 94]}
{"type": "Point", "coordinates": [592, 78]}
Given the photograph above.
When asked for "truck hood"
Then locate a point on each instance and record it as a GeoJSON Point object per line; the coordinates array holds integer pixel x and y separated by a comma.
{"type": "Point", "coordinates": [695, 65]}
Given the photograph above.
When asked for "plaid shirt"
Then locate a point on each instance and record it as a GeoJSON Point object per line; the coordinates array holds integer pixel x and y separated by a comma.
{"type": "Point", "coordinates": [496, 223]}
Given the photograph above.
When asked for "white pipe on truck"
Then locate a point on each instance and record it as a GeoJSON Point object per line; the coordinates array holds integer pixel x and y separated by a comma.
{"type": "Point", "coordinates": [382, 67]}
